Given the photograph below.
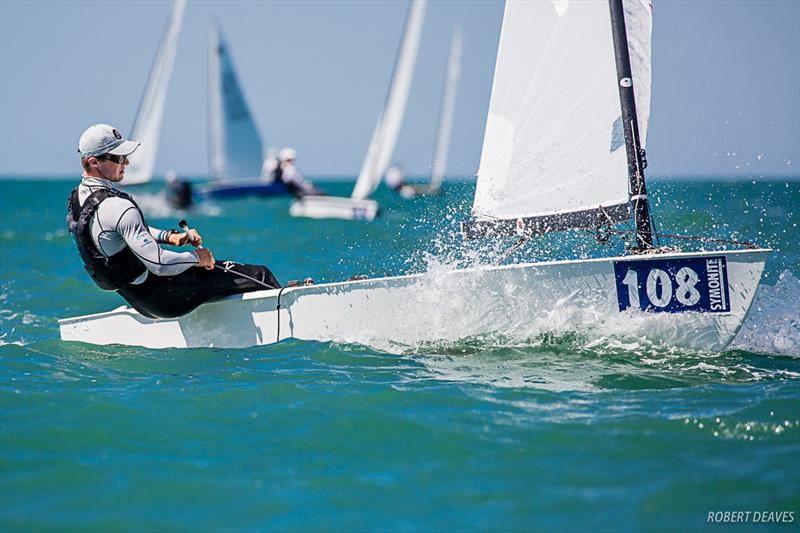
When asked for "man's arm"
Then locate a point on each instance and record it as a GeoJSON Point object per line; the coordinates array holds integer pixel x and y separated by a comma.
{"type": "Point", "coordinates": [175, 237]}
{"type": "Point", "coordinates": [143, 243]}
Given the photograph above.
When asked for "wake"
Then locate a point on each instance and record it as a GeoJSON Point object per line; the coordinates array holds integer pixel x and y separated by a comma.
{"type": "Point", "coordinates": [773, 324]}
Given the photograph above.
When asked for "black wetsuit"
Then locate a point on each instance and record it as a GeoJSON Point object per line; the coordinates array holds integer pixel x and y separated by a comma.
{"type": "Point", "coordinates": [112, 236]}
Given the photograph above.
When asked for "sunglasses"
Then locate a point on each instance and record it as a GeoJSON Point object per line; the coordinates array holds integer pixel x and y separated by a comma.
{"type": "Point", "coordinates": [118, 159]}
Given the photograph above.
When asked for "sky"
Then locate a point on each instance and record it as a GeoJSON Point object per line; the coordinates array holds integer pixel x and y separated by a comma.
{"type": "Point", "coordinates": [725, 101]}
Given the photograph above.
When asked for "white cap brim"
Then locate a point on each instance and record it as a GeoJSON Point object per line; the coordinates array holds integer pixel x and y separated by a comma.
{"type": "Point", "coordinates": [126, 148]}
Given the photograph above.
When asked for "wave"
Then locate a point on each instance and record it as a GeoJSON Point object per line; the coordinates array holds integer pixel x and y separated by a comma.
{"type": "Point", "coordinates": [773, 324]}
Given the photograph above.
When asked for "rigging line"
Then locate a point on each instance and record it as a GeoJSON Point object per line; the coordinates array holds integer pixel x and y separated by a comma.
{"type": "Point", "coordinates": [638, 197]}
{"type": "Point", "coordinates": [288, 285]}
{"type": "Point", "coordinates": [514, 248]}
{"type": "Point", "coordinates": [278, 314]}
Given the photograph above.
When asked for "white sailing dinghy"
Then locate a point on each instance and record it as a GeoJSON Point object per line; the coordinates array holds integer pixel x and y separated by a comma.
{"type": "Point", "coordinates": [235, 149]}
{"type": "Point", "coordinates": [147, 124]}
{"type": "Point", "coordinates": [445, 125]}
{"type": "Point", "coordinates": [561, 148]}
{"type": "Point", "coordinates": [384, 138]}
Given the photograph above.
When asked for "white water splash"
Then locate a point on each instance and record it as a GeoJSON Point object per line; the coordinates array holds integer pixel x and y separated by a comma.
{"type": "Point", "coordinates": [773, 323]}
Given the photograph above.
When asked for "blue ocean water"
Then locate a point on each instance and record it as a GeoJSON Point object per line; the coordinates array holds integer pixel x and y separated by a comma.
{"type": "Point", "coordinates": [555, 432]}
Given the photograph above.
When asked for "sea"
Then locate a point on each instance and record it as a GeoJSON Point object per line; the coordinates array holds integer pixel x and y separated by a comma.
{"type": "Point", "coordinates": [557, 431]}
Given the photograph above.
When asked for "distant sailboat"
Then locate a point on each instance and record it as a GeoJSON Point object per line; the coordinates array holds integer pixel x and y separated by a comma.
{"type": "Point", "coordinates": [445, 124]}
{"type": "Point", "coordinates": [147, 124]}
{"type": "Point", "coordinates": [384, 138]}
{"type": "Point", "coordinates": [235, 149]}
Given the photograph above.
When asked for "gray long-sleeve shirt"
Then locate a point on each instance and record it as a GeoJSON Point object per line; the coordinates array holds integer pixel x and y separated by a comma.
{"type": "Point", "coordinates": [117, 223]}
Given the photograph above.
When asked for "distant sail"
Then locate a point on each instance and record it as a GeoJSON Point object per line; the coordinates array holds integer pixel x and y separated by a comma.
{"type": "Point", "coordinates": [552, 141]}
{"type": "Point", "coordinates": [234, 142]}
{"type": "Point", "coordinates": [147, 124]}
{"type": "Point", "coordinates": [384, 137]}
{"type": "Point", "coordinates": [448, 108]}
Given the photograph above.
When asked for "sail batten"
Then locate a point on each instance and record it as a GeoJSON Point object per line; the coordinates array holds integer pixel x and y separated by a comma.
{"type": "Point", "coordinates": [147, 123]}
{"type": "Point", "coordinates": [551, 145]}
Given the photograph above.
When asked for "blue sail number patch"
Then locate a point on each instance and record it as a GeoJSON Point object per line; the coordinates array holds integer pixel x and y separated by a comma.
{"type": "Point", "coordinates": [673, 285]}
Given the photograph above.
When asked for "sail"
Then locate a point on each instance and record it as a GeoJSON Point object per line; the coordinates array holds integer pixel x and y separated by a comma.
{"type": "Point", "coordinates": [554, 146]}
{"type": "Point", "coordinates": [448, 107]}
{"type": "Point", "coordinates": [639, 27]}
{"type": "Point", "coordinates": [147, 124]}
{"type": "Point", "coordinates": [384, 137]}
{"type": "Point", "coordinates": [234, 142]}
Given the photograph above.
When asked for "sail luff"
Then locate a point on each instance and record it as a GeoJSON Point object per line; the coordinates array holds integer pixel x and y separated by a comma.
{"type": "Point", "coordinates": [633, 145]}
{"type": "Point", "coordinates": [215, 152]}
{"type": "Point", "coordinates": [384, 136]}
{"type": "Point", "coordinates": [147, 122]}
{"type": "Point", "coordinates": [448, 108]}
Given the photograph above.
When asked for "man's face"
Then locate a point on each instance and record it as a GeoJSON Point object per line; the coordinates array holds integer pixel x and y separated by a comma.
{"type": "Point", "coordinates": [112, 167]}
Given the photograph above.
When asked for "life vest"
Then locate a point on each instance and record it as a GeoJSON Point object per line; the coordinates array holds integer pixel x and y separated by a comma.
{"type": "Point", "coordinates": [108, 272]}
{"type": "Point", "coordinates": [277, 174]}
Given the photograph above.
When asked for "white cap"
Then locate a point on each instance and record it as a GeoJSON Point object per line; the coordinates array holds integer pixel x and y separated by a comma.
{"type": "Point", "coordinates": [101, 139]}
{"type": "Point", "coordinates": [287, 154]}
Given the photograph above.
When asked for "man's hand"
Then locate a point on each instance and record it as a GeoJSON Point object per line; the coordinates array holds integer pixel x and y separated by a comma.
{"type": "Point", "coordinates": [189, 237]}
{"type": "Point", "coordinates": [206, 258]}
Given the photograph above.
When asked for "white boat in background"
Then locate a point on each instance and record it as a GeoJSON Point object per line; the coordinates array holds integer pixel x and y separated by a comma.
{"type": "Point", "coordinates": [445, 124]}
{"type": "Point", "coordinates": [561, 148]}
{"type": "Point", "coordinates": [235, 149]}
{"type": "Point", "coordinates": [147, 124]}
{"type": "Point", "coordinates": [384, 137]}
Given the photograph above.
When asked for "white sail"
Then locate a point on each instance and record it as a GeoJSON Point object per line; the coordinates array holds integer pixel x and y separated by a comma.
{"type": "Point", "coordinates": [554, 142]}
{"type": "Point", "coordinates": [234, 142]}
{"type": "Point", "coordinates": [384, 137]}
{"type": "Point", "coordinates": [448, 107]}
{"type": "Point", "coordinates": [639, 27]}
{"type": "Point", "coordinates": [147, 124]}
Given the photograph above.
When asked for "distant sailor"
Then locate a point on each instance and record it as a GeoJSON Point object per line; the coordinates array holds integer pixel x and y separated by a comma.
{"type": "Point", "coordinates": [122, 252]}
{"type": "Point", "coordinates": [287, 172]}
{"type": "Point", "coordinates": [179, 192]}
{"type": "Point", "coordinates": [395, 179]}
{"type": "Point", "coordinates": [270, 164]}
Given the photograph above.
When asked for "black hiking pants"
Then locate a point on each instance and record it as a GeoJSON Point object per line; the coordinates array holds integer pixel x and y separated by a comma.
{"type": "Point", "coordinates": [173, 296]}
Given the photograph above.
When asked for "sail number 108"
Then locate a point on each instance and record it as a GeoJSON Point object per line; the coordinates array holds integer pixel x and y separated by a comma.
{"type": "Point", "coordinates": [660, 289]}
{"type": "Point", "coordinates": [673, 285]}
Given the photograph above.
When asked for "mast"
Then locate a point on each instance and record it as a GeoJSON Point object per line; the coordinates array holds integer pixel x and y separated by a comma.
{"type": "Point", "coordinates": [641, 207]}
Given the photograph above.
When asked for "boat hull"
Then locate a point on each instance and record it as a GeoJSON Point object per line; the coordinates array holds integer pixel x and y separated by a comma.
{"type": "Point", "coordinates": [413, 191]}
{"type": "Point", "coordinates": [516, 302]}
{"type": "Point", "coordinates": [237, 188]}
{"type": "Point", "coordinates": [322, 207]}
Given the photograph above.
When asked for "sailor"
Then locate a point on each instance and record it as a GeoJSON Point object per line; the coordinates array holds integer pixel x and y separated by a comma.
{"type": "Point", "coordinates": [270, 165]}
{"type": "Point", "coordinates": [123, 253]}
{"type": "Point", "coordinates": [396, 181]}
{"type": "Point", "coordinates": [287, 172]}
{"type": "Point", "coordinates": [179, 192]}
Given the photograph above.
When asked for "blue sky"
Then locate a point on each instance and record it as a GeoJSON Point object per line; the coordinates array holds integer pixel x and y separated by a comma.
{"type": "Point", "coordinates": [726, 81]}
